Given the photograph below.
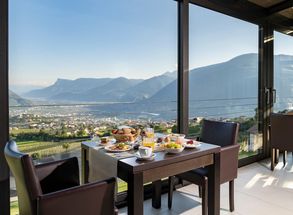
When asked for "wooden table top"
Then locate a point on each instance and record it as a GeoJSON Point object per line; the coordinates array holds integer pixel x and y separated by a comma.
{"type": "Point", "coordinates": [163, 158]}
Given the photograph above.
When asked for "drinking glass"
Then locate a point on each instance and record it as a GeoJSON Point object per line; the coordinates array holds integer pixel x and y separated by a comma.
{"type": "Point", "coordinates": [148, 142]}
{"type": "Point", "coordinates": [149, 132]}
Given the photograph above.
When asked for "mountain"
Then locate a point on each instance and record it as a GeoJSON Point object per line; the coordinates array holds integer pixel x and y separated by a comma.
{"type": "Point", "coordinates": [111, 91]}
{"type": "Point", "coordinates": [225, 89]}
{"type": "Point", "coordinates": [283, 81]}
{"type": "Point", "coordinates": [232, 79]}
{"type": "Point", "coordinates": [230, 87]}
{"type": "Point", "coordinates": [102, 90]}
{"type": "Point", "coordinates": [148, 88]}
{"type": "Point", "coordinates": [64, 86]}
{"type": "Point", "coordinates": [16, 100]}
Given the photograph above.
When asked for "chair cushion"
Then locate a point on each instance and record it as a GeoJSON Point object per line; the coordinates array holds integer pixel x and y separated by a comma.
{"type": "Point", "coordinates": [201, 171]}
{"type": "Point", "coordinates": [196, 176]}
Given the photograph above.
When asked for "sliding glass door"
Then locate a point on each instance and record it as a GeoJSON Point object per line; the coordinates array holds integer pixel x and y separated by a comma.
{"type": "Point", "coordinates": [223, 77]}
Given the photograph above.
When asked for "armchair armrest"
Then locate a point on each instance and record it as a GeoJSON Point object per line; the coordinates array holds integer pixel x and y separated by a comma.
{"type": "Point", "coordinates": [93, 199]}
{"type": "Point", "coordinates": [58, 175]}
{"type": "Point", "coordinates": [229, 163]}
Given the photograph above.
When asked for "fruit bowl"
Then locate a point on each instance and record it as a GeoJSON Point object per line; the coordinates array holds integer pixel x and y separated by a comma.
{"type": "Point", "coordinates": [174, 151]}
{"type": "Point", "coordinates": [174, 148]}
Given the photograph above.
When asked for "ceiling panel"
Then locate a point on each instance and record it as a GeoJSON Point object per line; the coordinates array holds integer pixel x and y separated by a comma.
{"type": "Point", "coordinates": [266, 3]}
{"type": "Point", "coordinates": [288, 13]}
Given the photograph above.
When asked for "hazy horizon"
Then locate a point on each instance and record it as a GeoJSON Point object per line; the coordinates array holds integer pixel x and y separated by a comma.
{"type": "Point", "coordinates": [21, 89]}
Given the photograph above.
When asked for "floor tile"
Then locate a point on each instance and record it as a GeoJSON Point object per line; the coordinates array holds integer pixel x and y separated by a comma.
{"type": "Point", "coordinates": [258, 191]}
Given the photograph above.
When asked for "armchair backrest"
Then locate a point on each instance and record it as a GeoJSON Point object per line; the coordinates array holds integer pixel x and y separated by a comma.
{"type": "Point", "coordinates": [219, 133]}
{"type": "Point", "coordinates": [27, 182]}
{"type": "Point", "coordinates": [281, 131]}
{"type": "Point", "coordinates": [223, 134]}
{"type": "Point", "coordinates": [95, 198]}
{"type": "Point", "coordinates": [108, 202]}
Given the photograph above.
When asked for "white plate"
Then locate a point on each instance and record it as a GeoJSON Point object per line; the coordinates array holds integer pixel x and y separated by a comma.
{"type": "Point", "coordinates": [191, 146]}
{"type": "Point", "coordinates": [160, 135]}
{"type": "Point", "coordinates": [108, 148]}
{"type": "Point", "coordinates": [137, 155]}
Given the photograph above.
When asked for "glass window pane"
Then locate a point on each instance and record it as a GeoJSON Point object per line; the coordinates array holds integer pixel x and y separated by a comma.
{"type": "Point", "coordinates": [84, 68]}
{"type": "Point", "coordinates": [224, 75]}
{"type": "Point", "coordinates": [283, 70]}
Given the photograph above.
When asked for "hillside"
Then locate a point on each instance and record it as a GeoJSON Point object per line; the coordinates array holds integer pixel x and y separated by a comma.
{"type": "Point", "coordinates": [102, 90]}
{"type": "Point", "coordinates": [16, 100]}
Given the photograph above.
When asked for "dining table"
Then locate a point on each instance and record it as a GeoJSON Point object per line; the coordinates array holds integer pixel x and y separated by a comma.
{"type": "Point", "coordinates": [137, 173]}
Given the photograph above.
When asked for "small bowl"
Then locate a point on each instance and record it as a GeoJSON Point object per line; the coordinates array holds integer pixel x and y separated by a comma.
{"type": "Point", "coordinates": [174, 151]}
{"type": "Point", "coordinates": [174, 137]}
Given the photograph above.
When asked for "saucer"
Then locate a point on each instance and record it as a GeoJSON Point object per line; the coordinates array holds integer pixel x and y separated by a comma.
{"type": "Point", "coordinates": [137, 155]}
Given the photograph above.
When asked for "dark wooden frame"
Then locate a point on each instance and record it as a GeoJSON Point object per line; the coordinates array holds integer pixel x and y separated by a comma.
{"type": "Point", "coordinates": [183, 66]}
{"type": "Point", "coordinates": [266, 82]}
{"type": "Point", "coordinates": [4, 111]}
{"type": "Point", "coordinates": [279, 7]}
{"type": "Point", "coordinates": [251, 12]}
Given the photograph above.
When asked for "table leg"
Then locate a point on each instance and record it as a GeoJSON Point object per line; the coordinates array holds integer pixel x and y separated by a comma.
{"type": "Point", "coordinates": [273, 157]}
{"type": "Point", "coordinates": [214, 186]}
{"type": "Point", "coordinates": [135, 194]}
{"type": "Point", "coordinates": [156, 194]}
{"type": "Point", "coordinates": [84, 166]}
{"type": "Point", "coordinates": [277, 153]}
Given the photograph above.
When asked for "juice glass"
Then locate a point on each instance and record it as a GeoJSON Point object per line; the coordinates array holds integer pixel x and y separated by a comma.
{"type": "Point", "coordinates": [148, 142]}
{"type": "Point", "coordinates": [149, 132]}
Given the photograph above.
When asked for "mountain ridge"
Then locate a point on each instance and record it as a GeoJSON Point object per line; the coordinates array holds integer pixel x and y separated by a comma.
{"type": "Point", "coordinates": [16, 100]}
{"type": "Point", "coordinates": [237, 77]}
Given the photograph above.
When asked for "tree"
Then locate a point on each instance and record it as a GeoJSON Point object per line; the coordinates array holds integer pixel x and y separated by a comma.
{"type": "Point", "coordinates": [65, 146]}
{"type": "Point", "coordinates": [81, 133]}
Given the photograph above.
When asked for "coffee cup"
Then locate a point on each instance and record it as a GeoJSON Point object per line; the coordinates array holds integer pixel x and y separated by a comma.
{"type": "Point", "coordinates": [145, 152]}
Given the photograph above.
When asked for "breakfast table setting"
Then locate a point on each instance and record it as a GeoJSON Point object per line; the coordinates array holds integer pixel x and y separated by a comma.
{"type": "Point", "coordinates": [139, 156]}
{"type": "Point", "coordinates": [105, 152]}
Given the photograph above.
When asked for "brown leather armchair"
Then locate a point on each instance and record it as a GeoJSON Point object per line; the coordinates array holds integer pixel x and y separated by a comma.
{"type": "Point", "coordinates": [281, 130]}
{"type": "Point", "coordinates": [225, 135]}
{"type": "Point", "coordinates": [54, 188]}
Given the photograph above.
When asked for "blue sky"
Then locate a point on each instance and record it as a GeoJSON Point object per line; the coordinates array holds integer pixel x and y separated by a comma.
{"type": "Point", "coordinates": [52, 39]}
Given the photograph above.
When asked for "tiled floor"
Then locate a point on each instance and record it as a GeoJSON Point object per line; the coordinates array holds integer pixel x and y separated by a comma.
{"type": "Point", "coordinates": [258, 191]}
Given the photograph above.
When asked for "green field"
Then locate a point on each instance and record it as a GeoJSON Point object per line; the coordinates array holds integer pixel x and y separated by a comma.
{"type": "Point", "coordinates": [244, 154]}
{"type": "Point", "coordinates": [24, 130]}
{"type": "Point", "coordinates": [45, 149]}
{"type": "Point", "coordinates": [14, 208]}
